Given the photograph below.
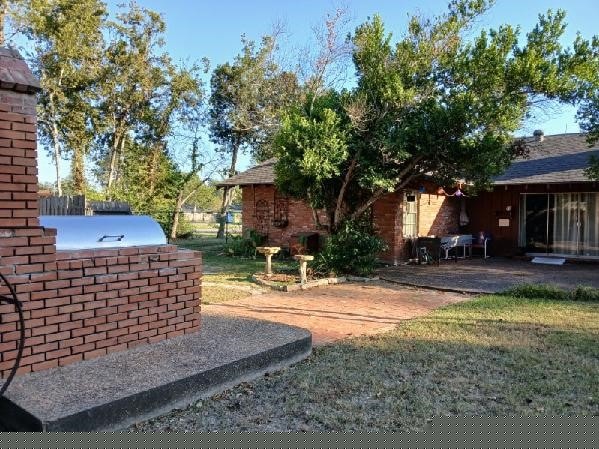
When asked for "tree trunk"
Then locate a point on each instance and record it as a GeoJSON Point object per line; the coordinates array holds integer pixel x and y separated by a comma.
{"type": "Point", "coordinates": [175, 217]}
{"type": "Point", "coordinates": [223, 210]}
{"type": "Point", "coordinates": [181, 200]}
{"type": "Point", "coordinates": [78, 171]}
{"type": "Point", "coordinates": [113, 161]}
{"type": "Point", "coordinates": [3, 8]}
{"type": "Point", "coordinates": [57, 157]}
{"type": "Point", "coordinates": [227, 193]}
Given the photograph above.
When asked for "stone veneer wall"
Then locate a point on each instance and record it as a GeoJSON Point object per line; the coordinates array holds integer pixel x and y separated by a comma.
{"type": "Point", "coordinates": [77, 304]}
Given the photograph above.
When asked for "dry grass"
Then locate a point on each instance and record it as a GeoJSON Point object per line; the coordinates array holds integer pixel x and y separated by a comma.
{"type": "Point", "coordinates": [215, 294]}
{"type": "Point", "coordinates": [494, 355]}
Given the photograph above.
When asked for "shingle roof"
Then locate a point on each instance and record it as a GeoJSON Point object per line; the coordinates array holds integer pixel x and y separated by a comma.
{"type": "Point", "coordinates": [263, 173]}
{"type": "Point", "coordinates": [561, 158]}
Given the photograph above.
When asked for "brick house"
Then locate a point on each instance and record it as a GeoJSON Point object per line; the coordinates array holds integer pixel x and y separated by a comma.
{"type": "Point", "coordinates": [397, 217]}
{"type": "Point", "coordinates": [543, 204]}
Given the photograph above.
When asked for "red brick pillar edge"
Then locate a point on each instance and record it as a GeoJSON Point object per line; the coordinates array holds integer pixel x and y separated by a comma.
{"type": "Point", "coordinates": [77, 304]}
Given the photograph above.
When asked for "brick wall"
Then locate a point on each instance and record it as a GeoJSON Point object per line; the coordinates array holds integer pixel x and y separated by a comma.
{"type": "Point", "coordinates": [299, 216]}
{"type": "Point", "coordinates": [438, 215]}
{"type": "Point", "coordinates": [387, 215]}
{"type": "Point", "coordinates": [77, 304]}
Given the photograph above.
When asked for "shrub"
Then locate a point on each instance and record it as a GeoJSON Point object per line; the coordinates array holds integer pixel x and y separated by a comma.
{"type": "Point", "coordinates": [244, 245]}
{"type": "Point", "coordinates": [186, 228]}
{"type": "Point", "coordinates": [585, 294]}
{"type": "Point", "coordinates": [352, 250]}
{"type": "Point", "coordinates": [533, 291]}
{"type": "Point", "coordinates": [544, 291]}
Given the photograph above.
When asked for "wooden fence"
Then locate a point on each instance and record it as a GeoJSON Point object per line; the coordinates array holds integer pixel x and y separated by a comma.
{"type": "Point", "coordinates": [78, 205]}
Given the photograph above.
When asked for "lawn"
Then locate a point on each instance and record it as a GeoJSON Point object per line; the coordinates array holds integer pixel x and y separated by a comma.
{"type": "Point", "coordinates": [493, 355]}
{"type": "Point", "coordinates": [227, 278]}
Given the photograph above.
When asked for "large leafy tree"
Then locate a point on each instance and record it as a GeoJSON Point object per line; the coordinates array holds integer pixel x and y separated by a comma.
{"type": "Point", "coordinates": [246, 99]}
{"type": "Point", "coordinates": [162, 159]}
{"type": "Point", "coordinates": [586, 55]}
{"type": "Point", "coordinates": [433, 103]}
{"type": "Point", "coordinates": [67, 43]}
{"type": "Point", "coordinates": [134, 72]}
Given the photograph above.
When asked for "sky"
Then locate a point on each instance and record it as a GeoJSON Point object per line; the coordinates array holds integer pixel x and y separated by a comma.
{"type": "Point", "coordinates": [212, 29]}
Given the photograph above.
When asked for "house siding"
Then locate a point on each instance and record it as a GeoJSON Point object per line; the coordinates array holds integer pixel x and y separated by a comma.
{"type": "Point", "coordinates": [487, 208]}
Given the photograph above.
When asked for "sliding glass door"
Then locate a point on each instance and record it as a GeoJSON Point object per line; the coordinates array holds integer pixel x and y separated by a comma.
{"type": "Point", "coordinates": [561, 223]}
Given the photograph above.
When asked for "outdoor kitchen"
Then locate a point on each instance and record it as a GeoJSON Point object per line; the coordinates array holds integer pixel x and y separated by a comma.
{"type": "Point", "coordinates": [88, 286]}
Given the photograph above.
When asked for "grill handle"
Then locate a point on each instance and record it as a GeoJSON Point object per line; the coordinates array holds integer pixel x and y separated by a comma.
{"type": "Point", "coordinates": [111, 238]}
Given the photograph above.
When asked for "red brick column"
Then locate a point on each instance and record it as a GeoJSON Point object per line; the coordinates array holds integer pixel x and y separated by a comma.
{"type": "Point", "coordinates": [18, 157]}
{"type": "Point", "coordinates": [77, 304]}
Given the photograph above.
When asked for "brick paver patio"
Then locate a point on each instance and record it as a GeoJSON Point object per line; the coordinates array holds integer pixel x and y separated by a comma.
{"type": "Point", "coordinates": [335, 312]}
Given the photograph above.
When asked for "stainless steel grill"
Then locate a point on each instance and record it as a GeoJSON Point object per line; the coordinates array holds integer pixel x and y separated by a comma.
{"type": "Point", "coordinates": [104, 231]}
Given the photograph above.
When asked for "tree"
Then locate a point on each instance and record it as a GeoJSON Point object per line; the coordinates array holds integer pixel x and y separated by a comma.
{"type": "Point", "coordinates": [132, 76]}
{"type": "Point", "coordinates": [432, 104]}
{"type": "Point", "coordinates": [67, 42]}
{"type": "Point", "coordinates": [169, 130]}
{"type": "Point", "coordinates": [246, 99]}
{"type": "Point", "coordinates": [586, 57]}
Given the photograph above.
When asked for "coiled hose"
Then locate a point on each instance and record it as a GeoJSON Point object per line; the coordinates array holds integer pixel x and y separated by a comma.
{"type": "Point", "coordinates": [12, 299]}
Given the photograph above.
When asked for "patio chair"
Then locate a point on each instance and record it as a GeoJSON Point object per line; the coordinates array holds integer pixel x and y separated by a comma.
{"type": "Point", "coordinates": [481, 241]}
{"type": "Point", "coordinates": [429, 250]}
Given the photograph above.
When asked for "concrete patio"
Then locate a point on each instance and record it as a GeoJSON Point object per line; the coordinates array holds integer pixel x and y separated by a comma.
{"type": "Point", "coordinates": [491, 275]}
{"type": "Point", "coordinates": [122, 388]}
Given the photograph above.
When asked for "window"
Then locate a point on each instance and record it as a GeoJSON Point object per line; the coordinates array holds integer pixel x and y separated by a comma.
{"type": "Point", "coordinates": [410, 214]}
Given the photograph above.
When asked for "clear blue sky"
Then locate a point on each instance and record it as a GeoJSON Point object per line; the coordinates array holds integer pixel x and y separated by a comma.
{"type": "Point", "coordinates": [212, 29]}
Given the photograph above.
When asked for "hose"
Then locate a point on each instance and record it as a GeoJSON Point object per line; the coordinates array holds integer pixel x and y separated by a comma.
{"type": "Point", "coordinates": [17, 304]}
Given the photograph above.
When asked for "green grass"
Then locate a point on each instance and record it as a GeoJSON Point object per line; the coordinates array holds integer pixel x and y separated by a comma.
{"type": "Point", "coordinates": [222, 269]}
{"type": "Point", "coordinates": [493, 355]}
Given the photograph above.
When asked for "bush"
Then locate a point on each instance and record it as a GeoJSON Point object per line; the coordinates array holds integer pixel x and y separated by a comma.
{"type": "Point", "coordinates": [540, 291]}
{"type": "Point", "coordinates": [186, 229]}
{"type": "Point", "coordinates": [244, 245]}
{"type": "Point", "coordinates": [534, 291]}
{"type": "Point", "coordinates": [352, 250]}
{"type": "Point", "coordinates": [585, 294]}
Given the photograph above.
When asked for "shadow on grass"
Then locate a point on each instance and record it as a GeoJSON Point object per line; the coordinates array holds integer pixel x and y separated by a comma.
{"type": "Point", "coordinates": [541, 357]}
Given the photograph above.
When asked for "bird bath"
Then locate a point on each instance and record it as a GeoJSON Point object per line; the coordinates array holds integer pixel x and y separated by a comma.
{"type": "Point", "coordinates": [268, 252]}
{"type": "Point", "coordinates": [303, 261]}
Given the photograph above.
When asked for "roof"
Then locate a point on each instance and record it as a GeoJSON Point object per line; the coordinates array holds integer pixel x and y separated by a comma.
{"type": "Point", "coordinates": [14, 73]}
{"type": "Point", "coordinates": [560, 158]}
{"type": "Point", "coordinates": [263, 173]}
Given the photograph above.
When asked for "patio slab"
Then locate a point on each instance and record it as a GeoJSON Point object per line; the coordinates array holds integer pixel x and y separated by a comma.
{"type": "Point", "coordinates": [491, 275]}
{"type": "Point", "coordinates": [122, 388]}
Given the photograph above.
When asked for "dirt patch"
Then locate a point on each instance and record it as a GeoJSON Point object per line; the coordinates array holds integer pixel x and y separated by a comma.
{"type": "Point", "coordinates": [279, 277]}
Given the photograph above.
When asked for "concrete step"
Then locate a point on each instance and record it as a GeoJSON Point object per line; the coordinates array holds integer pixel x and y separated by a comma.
{"type": "Point", "coordinates": [115, 391]}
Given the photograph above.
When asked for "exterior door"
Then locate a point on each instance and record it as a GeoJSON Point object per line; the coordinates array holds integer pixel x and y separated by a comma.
{"type": "Point", "coordinates": [560, 223]}
{"type": "Point", "coordinates": [536, 225]}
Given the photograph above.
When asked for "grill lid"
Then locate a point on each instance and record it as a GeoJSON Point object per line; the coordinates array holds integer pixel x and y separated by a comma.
{"type": "Point", "coordinates": [103, 231]}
